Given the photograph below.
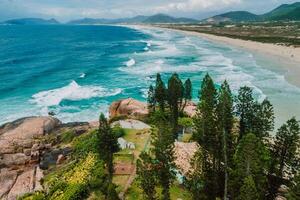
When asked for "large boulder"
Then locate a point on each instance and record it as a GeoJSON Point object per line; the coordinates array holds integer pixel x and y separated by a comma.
{"type": "Point", "coordinates": [190, 109]}
{"type": "Point", "coordinates": [128, 107]}
{"type": "Point", "coordinates": [20, 134]}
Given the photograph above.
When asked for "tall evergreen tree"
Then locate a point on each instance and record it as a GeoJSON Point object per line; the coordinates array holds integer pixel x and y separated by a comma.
{"type": "Point", "coordinates": [151, 99]}
{"type": "Point", "coordinates": [163, 145]}
{"type": "Point", "coordinates": [146, 175]}
{"type": "Point", "coordinates": [251, 159]}
{"type": "Point", "coordinates": [294, 192]}
{"type": "Point", "coordinates": [108, 145]}
{"type": "Point", "coordinates": [160, 92]}
{"type": "Point", "coordinates": [245, 110]}
{"type": "Point", "coordinates": [225, 124]}
{"type": "Point", "coordinates": [248, 190]}
{"type": "Point", "coordinates": [175, 96]}
{"type": "Point", "coordinates": [206, 133]}
{"type": "Point", "coordinates": [263, 121]}
{"type": "Point", "coordinates": [187, 93]}
{"type": "Point", "coordinates": [284, 151]}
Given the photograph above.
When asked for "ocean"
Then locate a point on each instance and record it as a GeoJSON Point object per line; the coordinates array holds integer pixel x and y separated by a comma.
{"type": "Point", "coordinates": [77, 71]}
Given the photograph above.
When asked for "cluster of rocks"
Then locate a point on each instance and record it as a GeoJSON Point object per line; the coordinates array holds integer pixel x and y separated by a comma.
{"type": "Point", "coordinates": [125, 144]}
{"type": "Point", "coordinates": [21, 147]}
{"type": "Point", "coordinates": [134, 109]}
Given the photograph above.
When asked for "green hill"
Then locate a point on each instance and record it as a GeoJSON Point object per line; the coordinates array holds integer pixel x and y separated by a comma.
{"type": "Point", "coordinates": [162, 18]}
{"type": "Point", "coordinates": [284, 12]}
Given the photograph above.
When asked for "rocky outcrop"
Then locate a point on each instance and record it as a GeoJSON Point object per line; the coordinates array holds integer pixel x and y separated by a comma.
{"type": "Point", "coordinates": [134, 109]}
{"type": "Point", "coordinates": [20, 151]}
{"type": "Point", "coordinates": [128, 107]}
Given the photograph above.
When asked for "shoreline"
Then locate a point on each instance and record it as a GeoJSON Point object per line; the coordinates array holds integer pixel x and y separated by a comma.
{"type": "Point", "coordinates": [282, 58]}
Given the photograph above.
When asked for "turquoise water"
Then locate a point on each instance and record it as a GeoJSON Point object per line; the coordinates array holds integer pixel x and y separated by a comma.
{"type": "Point", "coordinates": [77, 71]}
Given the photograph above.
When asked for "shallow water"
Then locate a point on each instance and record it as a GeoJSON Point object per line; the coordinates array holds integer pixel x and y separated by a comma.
{"type": "Point", "coordinates": [77, 71]}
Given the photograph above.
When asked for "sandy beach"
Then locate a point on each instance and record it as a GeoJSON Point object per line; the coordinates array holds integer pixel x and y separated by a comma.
{"type": "Point", "coordinates": [285, 57]}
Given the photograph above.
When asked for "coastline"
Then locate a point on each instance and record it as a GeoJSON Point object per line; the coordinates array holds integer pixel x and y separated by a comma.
{"type": "Point", "coordinates": [282, 58]}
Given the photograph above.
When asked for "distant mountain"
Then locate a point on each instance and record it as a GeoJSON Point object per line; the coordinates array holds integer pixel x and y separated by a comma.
{"type": "Point", "coordinates": [159, 18]}
{"type": "Point", "coordinates": [283, 12]}
{"type": "Point", "coordinates": [235, 16]}
{"type": "Point", "coordinates": [30, 21]}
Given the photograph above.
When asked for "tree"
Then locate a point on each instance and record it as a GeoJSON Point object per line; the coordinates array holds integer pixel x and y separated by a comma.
{"type": "Point", "coordinates": [206, 133]}
{"type": "Point", "coordinates": [146, 175]}
{"type": "Point", "coordinates": [175, 96]}
{"type": "Point", "coordinates": [108, 145]}
{"type": "Point", "coordinates": [187, 93]}
{"type": "Point", "coordinates": [205, 119]}
{"type": "Point", "coordinates": [284, 151]}
{"type": "Point", "coordinates": [248, 190]}
{"type": "Point", "coordinates": [263, 121]}
{"type": "Point", "coordinates": [151, 99]}
{"type": "Point", "coordinates": [160, 92]}
{"type": "Point", "coordinates": [163, 145]}
{"type": "Point", "coordinates": [245, 110]}
{"type": "Point", "coordinates": [225, 119]}
{"type": "Point", "coordinates": [251, 159]}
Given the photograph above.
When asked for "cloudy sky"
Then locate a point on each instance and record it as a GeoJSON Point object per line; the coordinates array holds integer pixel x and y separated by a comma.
{"type": "Point", "coordinates": [65, 10]}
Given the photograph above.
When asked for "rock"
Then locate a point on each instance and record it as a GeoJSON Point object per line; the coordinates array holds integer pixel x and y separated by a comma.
{"type": "Point", "coordinates": [280, 198]}
{"type": "Point", "coordinates": [27, 152]}
{"type": "Point", "coordinates": [60, 159]}
{"type": "Point", "coordinates": [131, 124]}
{"type": "Point", "coordinates": [283, 189]}
{"type": "Point", "coordinates": [20, 134]}
{"type": "Point", "coordinates": [128, 107]}
{"type": "Point", "coordinates": [38, 177]}
{"type": "Point", "coordinates": [24, 184]}
{"type": "Point", "coordinates": [14, 159]}
{"type": "Point", "coordinates": [190, 109]}
{"type": "Point", "coordinates": [7, 180]}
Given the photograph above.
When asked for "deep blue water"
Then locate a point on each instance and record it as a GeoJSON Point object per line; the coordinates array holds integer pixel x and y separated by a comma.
{"type": "Point", "coordinates": [77, 71]}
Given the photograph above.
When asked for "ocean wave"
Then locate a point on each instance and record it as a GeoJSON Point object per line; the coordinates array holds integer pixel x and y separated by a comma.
{"type": "Point", "coordinates": [130, 62]}
{"type": "Point", "coordinates": [82, 75]}
{"type": "Point", "coordinates": [74, 92]}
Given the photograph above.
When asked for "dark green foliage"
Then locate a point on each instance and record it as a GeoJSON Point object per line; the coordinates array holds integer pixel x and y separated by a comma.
{"type": "Point", "coordinates": [160, 92]}
{"type": "Point", "coordinates": [163, 144]}
{"type": "Point", "coordinates": [146, 175]}
{"type": "Point", "coordinates": [254, 117]}
{"type": "Point", "coordinates": [225, 137]}
{"type": "Point", "coordinates": [248, 190]}
{"type": "Point", "coordinates": [294, 192]}
{"type": "Point", "coordinates": [188, 89]}
{"type": "Point", "coordinates": [67, 136]}
{"type": "Point", "coordinates": [151, 99]}
{"type": "Point", "coordinates": [245, 110]}
{"type": "Point", "coordinates": [284, 151]}
{"type": "Point", "coordinates": [84, 144]}
{"type": "Point", "coordinates": [111, 192]}
{"type": "Point", "coordinates": [205, 120]}
{"type": "Point", "coordinates": [251, 159]}
{"type": "Point", "coordinates": [107, 145]}
{"type": "Point", "coordinates": [175, 97]}
{"type": "Point", "coordinates": [118, 131]}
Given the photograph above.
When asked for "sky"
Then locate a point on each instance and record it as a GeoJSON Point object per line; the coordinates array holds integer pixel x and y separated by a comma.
{"type": "Point", "coordinates": [65, 10]}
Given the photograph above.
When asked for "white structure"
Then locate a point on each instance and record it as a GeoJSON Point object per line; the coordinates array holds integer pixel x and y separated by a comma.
{"type": "Point", "coordinates": [124, 144]}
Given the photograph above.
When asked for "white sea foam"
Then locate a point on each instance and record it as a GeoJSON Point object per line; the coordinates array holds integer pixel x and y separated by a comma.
{"type": "Point", "coordinates": [73, 91]}
{"type": "Point", "coordinates": [130, 62]}
{"type": "Point", "coordinates": [82, 75]}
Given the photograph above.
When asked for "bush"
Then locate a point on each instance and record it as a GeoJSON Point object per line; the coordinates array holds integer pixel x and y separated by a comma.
{"type": "Point", "coordinates": [67, 136]}
{"type": "Point", "coordinates": [118, 131]}
{"type": "Point", "coordinates": [85, 144]}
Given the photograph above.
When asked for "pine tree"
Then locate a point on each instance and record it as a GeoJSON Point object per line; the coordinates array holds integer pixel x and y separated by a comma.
{"type": "Point", "coordinates": [163, 145]}
{"type": "Point", "coordinates": [151, 99]}
{"type": "Point", "coordinates": [248, 190]}
{"type": "Point", "coordinates": [146, 175]}
{"type": "Point", "coordinates": [284, 151]}
{"type": "Point", "coordinates": [175, 96]}
{"type": "Point", "coordinates": [108, 145]}
{"type": "Point", "coordinates": [225, 119]}
{"type": "Point", "coordinates": [187, 93]}
{"type": "Point", "coordinates": [263, 121]}
{"type": "Point", "coordinates": [251, 158]}
{"type": "Point", "coordinates": [160, 92]}
{"type": "Point", "coordinates": [206, 134]}
{"type": "Point", "coordinates": [245, 110]}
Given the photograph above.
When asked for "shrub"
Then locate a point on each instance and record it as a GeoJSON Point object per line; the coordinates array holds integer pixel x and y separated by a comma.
{"type": "Point", "coordinates": [67, 136]}
{"type": "Point", "coordinates": [118, 131]}
{"type": "Point", "coordinates": [85, 144]}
